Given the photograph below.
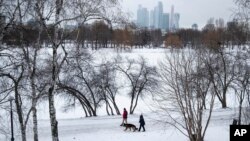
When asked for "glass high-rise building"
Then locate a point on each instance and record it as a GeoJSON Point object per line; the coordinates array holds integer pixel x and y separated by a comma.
{"type": "Point", "coordinates": [165, 21]}
{"type": "Point", "coordinates": [156, 19]}
{"type": "Point", "coordinates": [151, 19]}
{"type": "Point", "coordinates": [174, 20]}
{"type": "Point", "coordinates": [158, 12]}
{"type": "Point", "coordinates": [160, 15]}
{"type": "Point", "coordinates": [142, 17]}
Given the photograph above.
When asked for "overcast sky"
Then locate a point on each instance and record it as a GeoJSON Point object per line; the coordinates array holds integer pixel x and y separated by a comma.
{"type": "Point", "coordinates": [191, 11]}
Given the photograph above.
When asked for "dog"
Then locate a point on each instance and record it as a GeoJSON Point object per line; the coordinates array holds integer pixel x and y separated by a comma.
{"type": "Point", "coordinates": [130, 126]}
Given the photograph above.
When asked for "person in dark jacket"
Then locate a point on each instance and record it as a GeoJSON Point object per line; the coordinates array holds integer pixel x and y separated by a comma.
{"type": "Point", "coordinates": [142, 123]}
{"type": "Point", "coordinates": [124, 116]}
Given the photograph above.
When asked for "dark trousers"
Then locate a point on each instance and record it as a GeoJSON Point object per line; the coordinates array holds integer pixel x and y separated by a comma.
{"type": "Point", "coordinates": [142, 127]}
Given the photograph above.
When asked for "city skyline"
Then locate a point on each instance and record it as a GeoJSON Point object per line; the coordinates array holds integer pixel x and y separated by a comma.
{"type": "Point", "coordinates": [157, 18]}
{"type": "Point", "coordinates": [192, 11]}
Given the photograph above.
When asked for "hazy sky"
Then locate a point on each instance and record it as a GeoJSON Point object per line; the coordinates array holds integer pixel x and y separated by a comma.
{"type": "Point", "coordinates": [191, 11]}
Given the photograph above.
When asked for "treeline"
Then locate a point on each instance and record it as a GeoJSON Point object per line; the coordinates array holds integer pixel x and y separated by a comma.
{"type": "Point", "coordinates": [100, 34]}
{"type": "Point", "coordinates": [213, 35]}
{"type": "Point", "coordinates": [96, 35]}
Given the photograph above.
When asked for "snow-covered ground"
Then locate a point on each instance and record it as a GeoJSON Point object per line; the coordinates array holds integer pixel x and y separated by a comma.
{"type": "Point", "coordinates": [73, 126]}
{"type": "Point", "coordinates": [106, 128]}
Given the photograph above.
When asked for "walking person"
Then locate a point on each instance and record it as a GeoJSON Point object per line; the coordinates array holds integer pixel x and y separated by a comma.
{"type": "Point", "coordinates": [142, 123]}
{"type": "Point", "coordinates": [124, 116]}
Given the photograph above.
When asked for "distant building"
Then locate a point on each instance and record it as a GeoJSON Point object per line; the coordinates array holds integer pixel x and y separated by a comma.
{"type": "Point", "coordinates": [151, 19]}
{"type": "Point", "coordinates": [156, 19]}
{"type": "Point", "coordinates": [171, 17]}
{"type": "Point", "coordinates": [195, 26]}
{"type": "Point", "coordinates": [145, 17]}
{"type": "Point", "coordinates": [165, 21]}
{"type": "Point", "coordinates": [174, 20]}
{"type": "Point", "coordinates": [160, 15]}
{"type": "Point", "coordinates": [139, 18]}
{"type": "Point", "coordinates": [142, 17]}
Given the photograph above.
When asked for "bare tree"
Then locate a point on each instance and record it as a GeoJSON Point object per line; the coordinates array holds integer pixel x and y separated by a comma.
{"type": "Point", "coordinates": [16, 70]}
{"type": "Point", "coordinates": [142, 78]}
{"type": "Point", "coordinates": [23, 84]}
{"type": "Point", "coordinates": [243, 10]}
{"type": "Point", "coordinates": [242, 14]}
{"type": "Point", "coordinates": [16, 76]}
{"type": "Point", "coordinates": [81, 10]}
{"type": "Point", "coordinates": [221, 70]}
{"type": "Point", "coordinates": [241, 85]}
{"type": "Point", "coordinates": [108, 85]}
{"type": "Point", "coordinates": [8, 10]}
{"type": "Point", "coordinates": [81, 83]}
{"type": "Point", "coordinates": [180, 97]}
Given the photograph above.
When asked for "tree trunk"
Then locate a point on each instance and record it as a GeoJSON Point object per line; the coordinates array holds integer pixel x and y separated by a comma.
{"type": "Point", "coordinates": [224, 103]}
{"type": "Point", "coordinates": [131, 105]}
{"type": "Point", "coordinates": [107, 108]}
{"type": "Point", "coordinates": [113, 101]}
{"type": "Point", "coordinates": [55, 71]}
{"type": "Point", "coordinates": [85, 111]}
{"type": "Point", "coordinates": [34, 110]}
{"type": "Point", "coordinates": [20, 113]}
{"type": "Point", "coordinates": [240, 108]}
{"type": "Point", "coordinates": [35, 129]}
{"type": "Point", "coordinates": [111, 109]}
{"type": "Point", "coordinates": [52, 112]}
{"type": "Point", "coordinates": [116, 108]}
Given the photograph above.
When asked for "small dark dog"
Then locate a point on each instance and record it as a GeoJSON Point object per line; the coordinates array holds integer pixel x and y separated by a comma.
{"type": "Point", "coordinates": [130, 126]}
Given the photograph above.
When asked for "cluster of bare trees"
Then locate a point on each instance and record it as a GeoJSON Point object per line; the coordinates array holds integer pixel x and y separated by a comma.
{"type": "Point", "coordinates": [94, 85]}
{"type": "Point", "coordinates": [141, 77]}
{"type": "Point", "coordinates": [33, 73]}
{"type": "Point", "coordinates": [23, 73]}
{"type": "Point", "coordinates": [80, 81]}
{"type": "Point", "coordinates": [191, 81]}
{"type": "Point", "coordinates": [187, 88]}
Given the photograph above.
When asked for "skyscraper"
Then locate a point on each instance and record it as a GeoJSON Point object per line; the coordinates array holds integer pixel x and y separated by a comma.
{"type": "Point", "coordinates": [165, 21]}
{"type": "Point", "coordinates": [151, 19]}
{"type": "Point", "coordinates": [158, 12]}
{"type": "Point", "coordinates": [171, 18]}
{"type": "Point", "coordinates": [142, 17]}
{"type": "Point", "coordinates": [146, 17]}
{"type": "Point", "coordinates": [139, 17]}
{"type": "Point", "coordinates": [157, 19]}
{"type": "Point", "coordinates": [174, 20]}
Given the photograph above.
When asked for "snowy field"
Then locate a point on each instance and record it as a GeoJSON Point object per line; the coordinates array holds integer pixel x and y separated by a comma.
{"type": "Point", "coordinates": [73, 126]}
{"type": "Point", "coordinates": [106, 128]}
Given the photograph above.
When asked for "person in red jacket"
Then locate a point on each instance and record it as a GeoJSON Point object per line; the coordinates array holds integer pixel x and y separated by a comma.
{"type": "Point", "coordinates": [124, 116]}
